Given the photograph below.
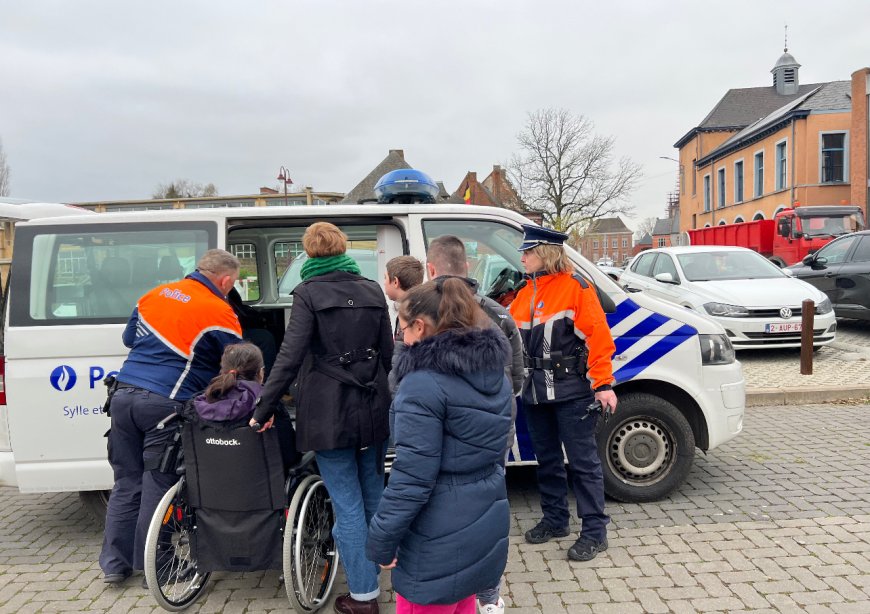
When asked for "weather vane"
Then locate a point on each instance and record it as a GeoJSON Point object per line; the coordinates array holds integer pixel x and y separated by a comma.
{"type": "Point", "coordinates": [785, 50]}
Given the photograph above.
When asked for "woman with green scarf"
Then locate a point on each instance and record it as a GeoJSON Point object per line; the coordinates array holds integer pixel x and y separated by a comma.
{"type": "Point", "coordinates": [340, 344]}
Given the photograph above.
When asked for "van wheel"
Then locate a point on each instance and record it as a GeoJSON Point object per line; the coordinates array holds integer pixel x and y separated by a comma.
{"type": "Point", "coordinates": [95, 502]}
{"type": "Point", "coordinates": [646, 449]}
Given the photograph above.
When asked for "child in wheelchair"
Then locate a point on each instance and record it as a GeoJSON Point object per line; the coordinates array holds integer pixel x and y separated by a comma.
{"type": "Point", "coordinates": [228, 511]}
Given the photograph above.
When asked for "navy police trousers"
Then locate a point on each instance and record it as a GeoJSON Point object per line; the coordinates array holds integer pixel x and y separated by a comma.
{"type": "Point", "coordinates": [135, 443]}
{"type": "Point", "coordinates": [552, 425]}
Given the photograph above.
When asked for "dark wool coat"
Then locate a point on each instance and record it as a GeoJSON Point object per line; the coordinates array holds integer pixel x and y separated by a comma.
{"type": "Point", "coordinates": [444, 513]}
{"type": "Point", "coordinates": [333, 314]}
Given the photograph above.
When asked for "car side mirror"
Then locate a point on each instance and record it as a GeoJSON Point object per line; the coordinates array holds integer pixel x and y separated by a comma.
{"type": "Point", "coordinates": [665, 278]}
{"type": "Point", "coordinates": [820, 261]}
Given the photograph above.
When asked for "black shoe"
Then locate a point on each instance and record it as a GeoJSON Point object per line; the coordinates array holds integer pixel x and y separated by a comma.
{"type": "Point", "coordinates": [542, 532]}
{"type": "Point", "coordinates": [585, 549]}
{"type": "Point", "coordinates": [145, 583]}
{"type": "Point", "coordinates": [116, 578]}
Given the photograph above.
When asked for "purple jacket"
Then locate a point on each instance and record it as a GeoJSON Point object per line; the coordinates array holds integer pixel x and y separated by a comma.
{"type": "Point", "coordinates": [238, 403]}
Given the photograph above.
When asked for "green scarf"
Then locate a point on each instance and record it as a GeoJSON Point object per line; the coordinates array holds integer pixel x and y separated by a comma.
{"type": "Point", "coordinates": [328, 264]}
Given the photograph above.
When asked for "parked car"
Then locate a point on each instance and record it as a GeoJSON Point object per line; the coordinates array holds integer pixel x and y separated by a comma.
{"type": "Point", "coordinates": [758, 303]}
{"type": "Point", "coordinates": [613, 272]}
{"type": "Point", "coordinates": [604, 262]}
{"type": "Point", "coordinates": [841, 270]}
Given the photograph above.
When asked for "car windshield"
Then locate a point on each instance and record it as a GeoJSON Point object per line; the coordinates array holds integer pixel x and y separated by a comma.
{"type": "Point", "coordinates": [831, 225]}
{"type": "Point", "coordinates": [710, 266]}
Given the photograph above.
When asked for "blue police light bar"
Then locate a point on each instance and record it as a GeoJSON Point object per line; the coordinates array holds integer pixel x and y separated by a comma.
{"type": "Point", "coordinates": [406, 186]}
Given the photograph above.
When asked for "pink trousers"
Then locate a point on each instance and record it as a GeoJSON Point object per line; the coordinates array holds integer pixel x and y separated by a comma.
{"type": "Point", "coordinates": [466, 606]}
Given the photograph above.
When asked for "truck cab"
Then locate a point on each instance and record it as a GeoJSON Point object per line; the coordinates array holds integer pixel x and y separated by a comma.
{"type": "Point", "coordinates": [803, 230]}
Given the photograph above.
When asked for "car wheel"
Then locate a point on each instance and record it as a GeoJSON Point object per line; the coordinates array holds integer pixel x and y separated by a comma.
{"type": "Point", "coordinates": [646, 447]}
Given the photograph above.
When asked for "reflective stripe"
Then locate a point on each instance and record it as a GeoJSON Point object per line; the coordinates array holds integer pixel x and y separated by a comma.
{"type": "Point", "coordinates": [642, 329]}
{"type": "Point", "coordinates": [654, 352]}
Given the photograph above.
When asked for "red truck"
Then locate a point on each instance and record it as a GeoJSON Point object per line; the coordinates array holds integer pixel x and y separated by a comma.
{"type": "Point", "coordinates": [791, 235]}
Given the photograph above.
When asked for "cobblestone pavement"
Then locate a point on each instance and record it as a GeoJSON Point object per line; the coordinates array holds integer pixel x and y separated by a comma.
{"type": "Point", "coordinates": [776, 521]}
{"type": "Point", "coordinates": [846, 362]}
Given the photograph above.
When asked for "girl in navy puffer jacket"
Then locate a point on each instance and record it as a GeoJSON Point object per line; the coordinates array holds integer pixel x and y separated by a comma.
{"type": "Point", "coordinates": [443, 521]}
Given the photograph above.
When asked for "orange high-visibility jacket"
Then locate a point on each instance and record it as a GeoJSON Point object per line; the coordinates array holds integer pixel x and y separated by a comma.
{"type": "Point", "coordinates": [559, 317]}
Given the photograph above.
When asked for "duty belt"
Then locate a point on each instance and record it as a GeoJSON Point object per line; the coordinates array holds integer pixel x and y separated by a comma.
{"type": "Point", "coordinates": [550, 364]}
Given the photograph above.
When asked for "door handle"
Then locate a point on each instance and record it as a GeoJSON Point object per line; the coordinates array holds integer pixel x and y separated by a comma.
{"type": "Point", "coordinates": [829, 274]}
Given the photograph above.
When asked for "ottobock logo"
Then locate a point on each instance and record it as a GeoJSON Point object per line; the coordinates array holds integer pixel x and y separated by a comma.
{"type": "Point", "coordinates": [222, 442]}
{"type": "Point", "coordinates": [63, 378]}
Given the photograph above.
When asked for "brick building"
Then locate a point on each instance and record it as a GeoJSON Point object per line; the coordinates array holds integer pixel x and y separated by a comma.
{"type": "Point", "coordinates": [609, 238]}
{"type": "Point", "coordinates": [763, 149]}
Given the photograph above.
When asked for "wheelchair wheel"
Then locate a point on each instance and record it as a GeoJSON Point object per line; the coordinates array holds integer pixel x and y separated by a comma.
{"type": "Point", "coordinates": [310, 552]}
{"type": "Point", "coordinates": [170, 568]}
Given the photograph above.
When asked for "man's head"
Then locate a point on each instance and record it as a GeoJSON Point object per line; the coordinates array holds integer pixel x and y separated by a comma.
{"type": "Point", "coordinates": [403, 273]}
{"type": "Point", "coordinates": [221, 268]}
{"type": "Point", "coordinates": [446, 256]}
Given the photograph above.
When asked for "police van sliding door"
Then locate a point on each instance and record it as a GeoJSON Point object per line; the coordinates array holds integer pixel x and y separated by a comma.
{"type": "Point", "coordinates": [72, 290]}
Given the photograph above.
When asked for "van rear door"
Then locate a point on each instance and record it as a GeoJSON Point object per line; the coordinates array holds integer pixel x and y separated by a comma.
{"type": "Point", "coordinates": [72, 289]}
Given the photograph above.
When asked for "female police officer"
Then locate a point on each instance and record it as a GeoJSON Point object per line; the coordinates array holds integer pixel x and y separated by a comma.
{"type": "Point", "coordinates": [568, 350]}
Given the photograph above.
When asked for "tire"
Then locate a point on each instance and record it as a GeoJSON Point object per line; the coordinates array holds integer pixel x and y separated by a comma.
{"type": "Point", "coordinates": [180, 584]}
{"type": "Point", "coordinates": [96, 502]}
{"type": "Point", "coordinates": [310, 553]}
{"type": "Point", "coordinates": [646, 447]}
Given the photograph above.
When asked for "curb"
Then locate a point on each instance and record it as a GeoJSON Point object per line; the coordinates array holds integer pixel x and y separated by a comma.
{"type": "Point", "coordinates": [799, 396]}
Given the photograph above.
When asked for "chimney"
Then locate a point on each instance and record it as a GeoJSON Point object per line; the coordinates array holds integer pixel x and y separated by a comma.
{"type": "Point", "coordinates": [398, 152]}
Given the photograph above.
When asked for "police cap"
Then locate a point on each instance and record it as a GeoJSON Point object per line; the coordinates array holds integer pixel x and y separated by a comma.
{"type": "Point", "coordinates": [536, 235]}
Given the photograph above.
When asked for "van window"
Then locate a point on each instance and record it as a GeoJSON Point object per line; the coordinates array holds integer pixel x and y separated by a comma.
{"type": "Point", "coordinates": [362, 246]}
{"type": "Point", "coordinates": [491, 248]}
{"type": "Point", "coordinates": [96, 274]}
{"type": "Point", "coordinates": [249, 280]}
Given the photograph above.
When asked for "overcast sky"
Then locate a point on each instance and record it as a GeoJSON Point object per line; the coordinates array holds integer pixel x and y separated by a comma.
{"type": "Point", "coordinates": [105, 100]}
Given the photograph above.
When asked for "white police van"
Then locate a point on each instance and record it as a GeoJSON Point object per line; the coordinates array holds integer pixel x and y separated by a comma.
{"type": "Point", "coordinates": [75, 280]}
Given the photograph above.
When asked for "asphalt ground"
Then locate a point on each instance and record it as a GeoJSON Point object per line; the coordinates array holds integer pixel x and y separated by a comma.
{"type": "Point", "coordinates": [777, 520]}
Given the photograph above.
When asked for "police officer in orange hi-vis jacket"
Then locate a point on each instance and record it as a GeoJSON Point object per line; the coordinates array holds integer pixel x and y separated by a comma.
{"type": "Point", "coordinates": [568, 349]}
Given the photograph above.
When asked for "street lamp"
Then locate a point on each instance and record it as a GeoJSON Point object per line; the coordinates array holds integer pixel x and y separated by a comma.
{"type": "Point", "coordinates": [669, 158]}
{"type": "Point", "coordinates": [284, 175]}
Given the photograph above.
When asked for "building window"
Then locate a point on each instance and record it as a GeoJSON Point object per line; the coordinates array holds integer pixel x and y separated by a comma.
{"type": "Point", "coordinates": [738, 181]}
{"type": "Point", "coordinates": [781, 165]}
{"type": "Point", "coordinates": [833, 157]}
{"type": "Point", "coordinates": [661, 242]}
{"type": "Point", "coordinates": [595, 244]}
{"type": "Point", "coordinates": [595, 256]}
{"type": "Point", "coordinates": [721, 187]}
{"type": "Point", "coordinates": [694, 179]}
{"type": "Point", "coordinates": [706, 193]}
{"type": "Point", "coordinates": [759, 174]}
{"type": "Point", "coordinates": [624, 243]}
{"type": "Point", "coordinates": [614, 244]}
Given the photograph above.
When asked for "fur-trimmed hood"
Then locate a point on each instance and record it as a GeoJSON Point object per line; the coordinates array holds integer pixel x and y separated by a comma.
{"type": "Point", "coordinates": [477, 355]}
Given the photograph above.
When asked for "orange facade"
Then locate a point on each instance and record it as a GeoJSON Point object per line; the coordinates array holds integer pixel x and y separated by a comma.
{"type": "Point", "coordinates": [797, 146]}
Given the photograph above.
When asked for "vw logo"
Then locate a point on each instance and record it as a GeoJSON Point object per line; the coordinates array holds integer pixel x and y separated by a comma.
{"type": "Point", "coordinates": [785, 313]}
{"type": "Point", "coordinates": [63, 378]}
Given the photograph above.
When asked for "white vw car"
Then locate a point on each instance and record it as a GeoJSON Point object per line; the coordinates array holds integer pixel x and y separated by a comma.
{"type": "Point", "coordinates": [757, 302]}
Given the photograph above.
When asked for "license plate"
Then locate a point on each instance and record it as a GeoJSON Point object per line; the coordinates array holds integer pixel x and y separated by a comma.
{"type": "Point", "coordinates": [783, 327]}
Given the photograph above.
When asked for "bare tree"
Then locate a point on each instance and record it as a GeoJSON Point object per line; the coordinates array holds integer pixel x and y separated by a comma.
{"type": "Point", "coordinates": [184, 188]}
{"type": "Point", "coordinates": [4, 172]}
{"type": "Point", "coordinates": [645, 227]}
{"type": "Point", "coordinates": [567, 173]}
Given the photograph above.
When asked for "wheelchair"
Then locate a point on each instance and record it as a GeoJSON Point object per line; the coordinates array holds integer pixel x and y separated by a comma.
{"type": "Point", "coordinates": [235, 508]}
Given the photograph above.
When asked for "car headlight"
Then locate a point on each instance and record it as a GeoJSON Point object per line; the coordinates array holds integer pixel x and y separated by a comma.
{"type": "Point", "coordinates": [716, 350]}
{"type": "Point", "coordinates": [824, 307]}
{"type": "Point", "coordinates": [725, 310]}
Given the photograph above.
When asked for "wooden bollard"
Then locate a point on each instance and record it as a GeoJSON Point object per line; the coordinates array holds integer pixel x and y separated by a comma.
{"type": "Point", "coordinates": [808, 311]}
